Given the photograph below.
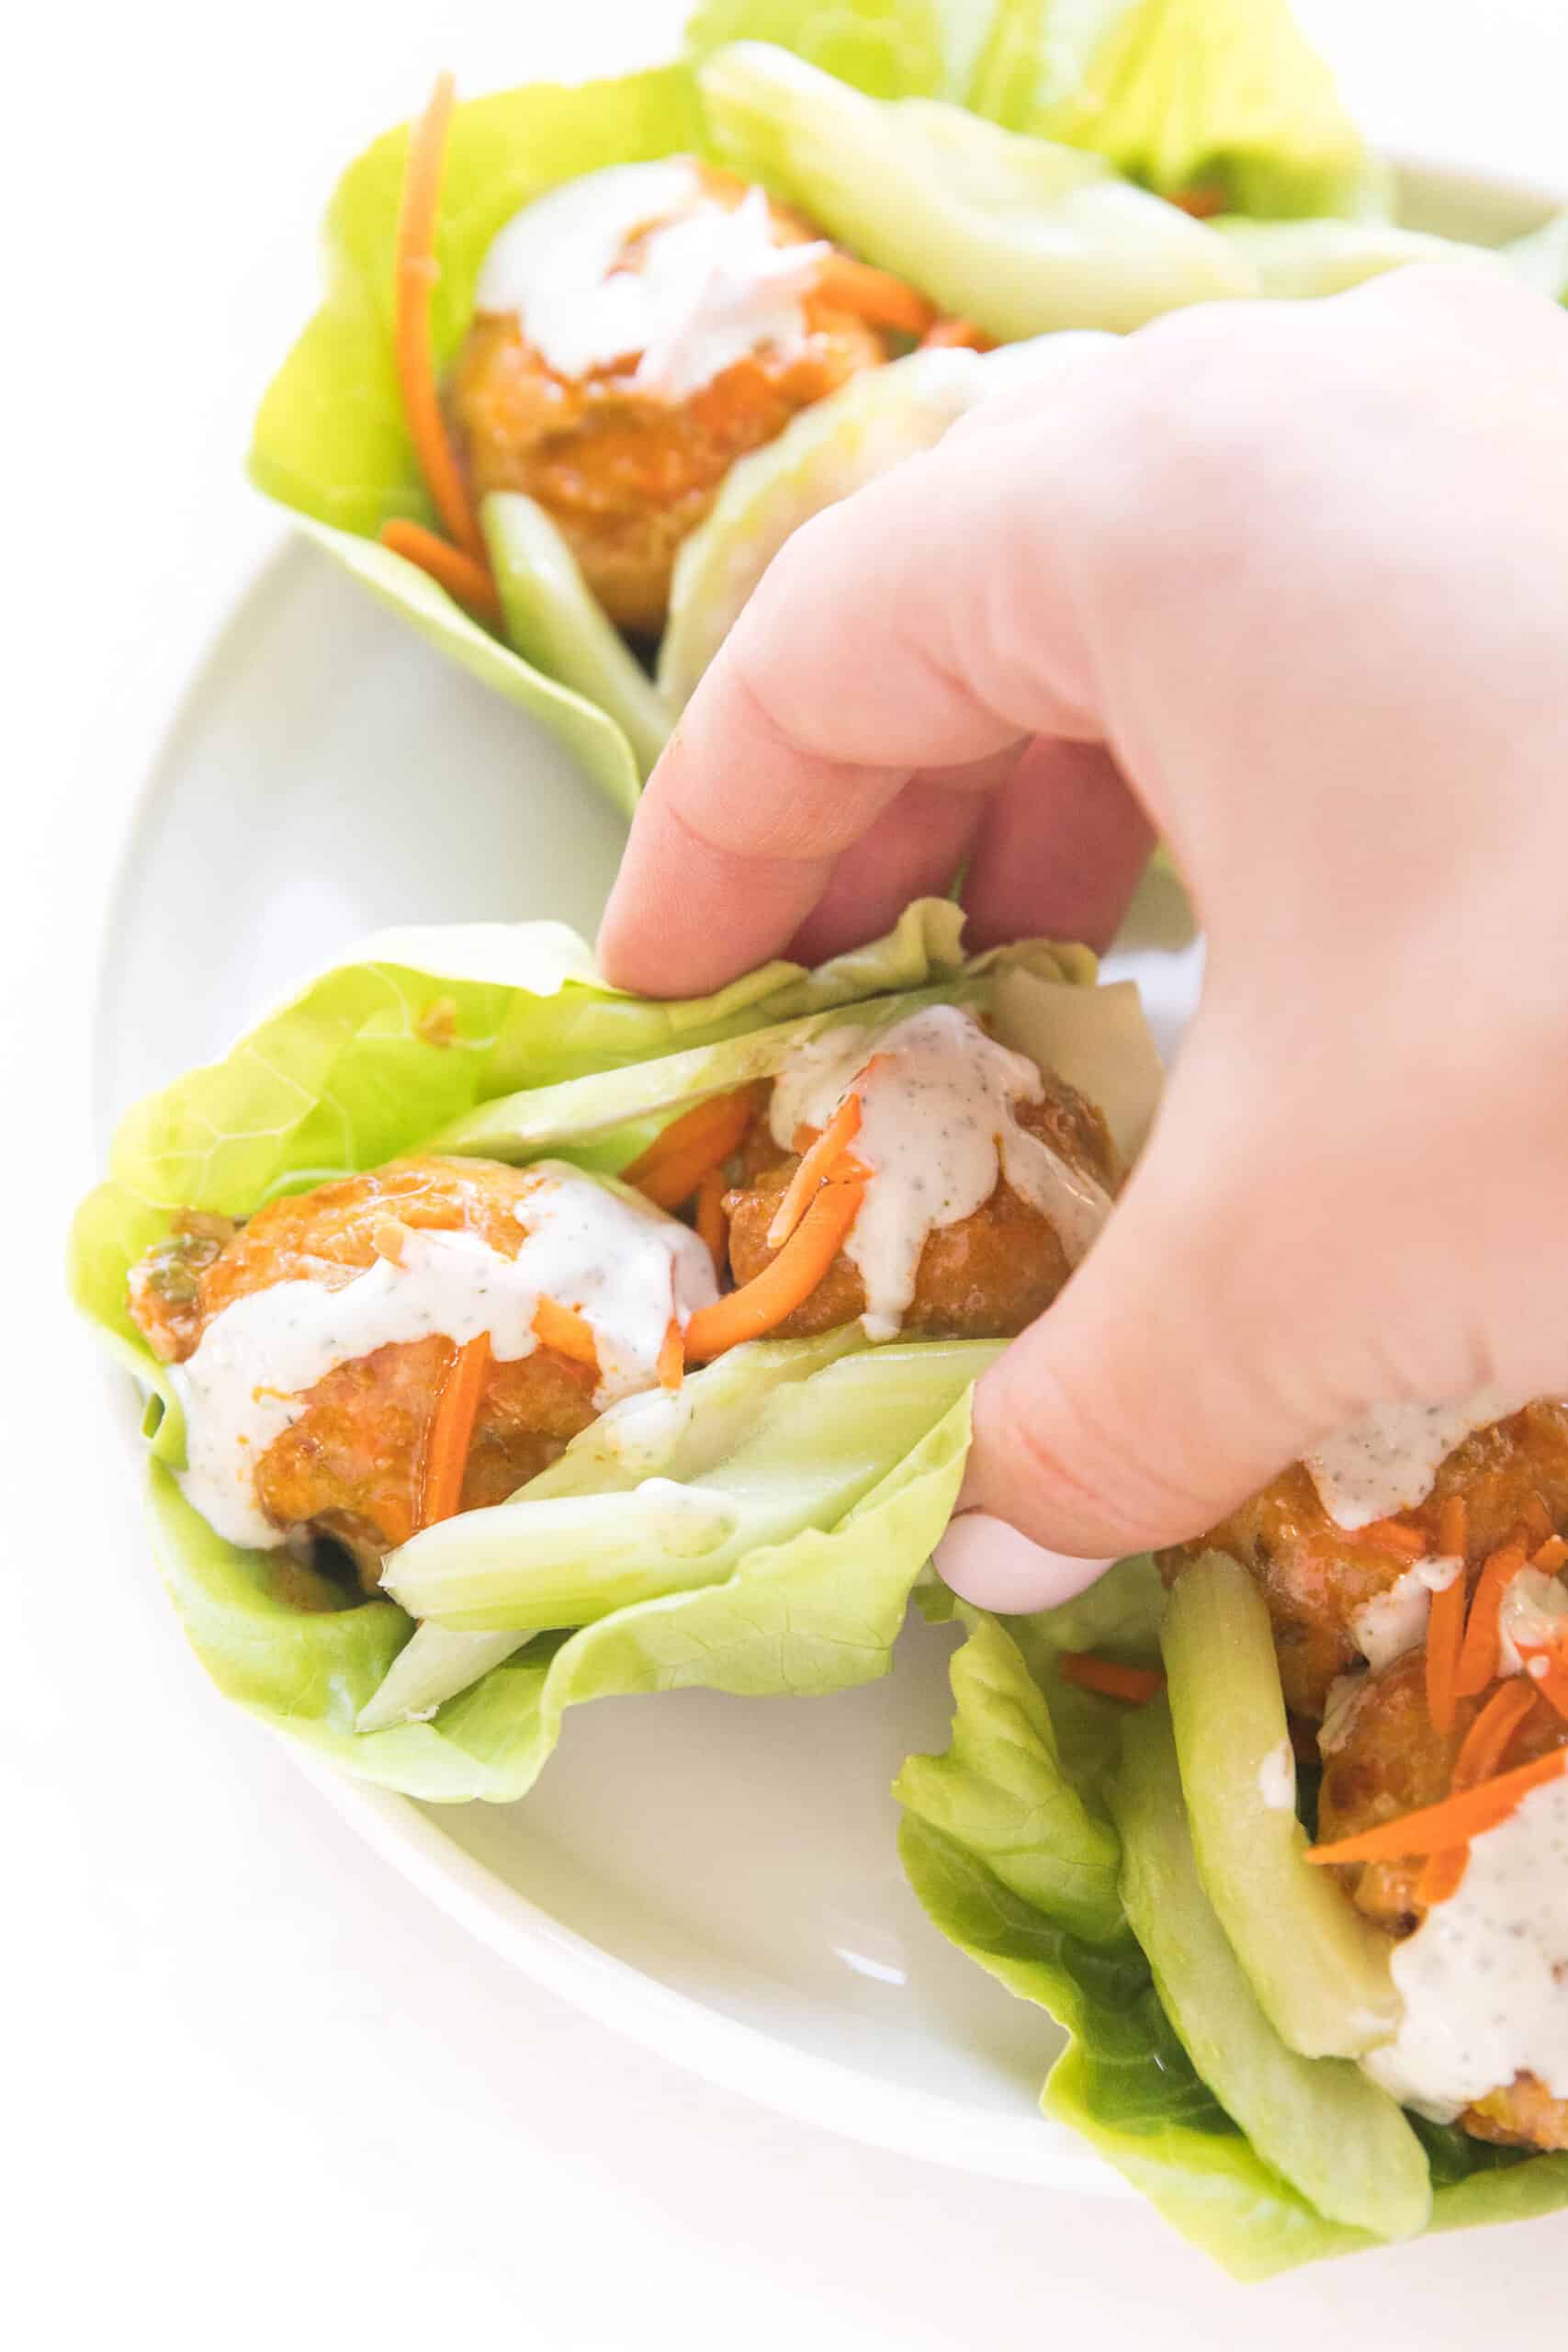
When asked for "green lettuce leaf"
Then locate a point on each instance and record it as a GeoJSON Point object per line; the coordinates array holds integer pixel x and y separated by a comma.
{"type": "Point", "coordinates": [330, 440]}
{"type": "Point", "coordinates": [1023, 236]}
{"type": "Point", "coordinates": [1221, 98]}
{"type": "Point", "coordinates": [372, 1059]}
{"type": "Point", "coordinates": [816, 1612]}
{"type": "Point", "coordinates": [891, 49]}
{"type": "Point", "coordinates": [1124, 2080]}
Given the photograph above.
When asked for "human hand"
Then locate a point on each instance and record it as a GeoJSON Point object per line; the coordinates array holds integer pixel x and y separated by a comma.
{"type": "Point", "coordinates": [1290, 583]}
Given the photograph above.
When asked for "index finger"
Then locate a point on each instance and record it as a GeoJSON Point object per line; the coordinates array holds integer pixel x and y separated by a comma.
{"type": "Point", "coordinates": [884, 640]}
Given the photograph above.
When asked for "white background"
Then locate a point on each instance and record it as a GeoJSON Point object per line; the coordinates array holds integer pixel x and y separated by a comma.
{"type": "Point", "coordinates": [252, 2089]}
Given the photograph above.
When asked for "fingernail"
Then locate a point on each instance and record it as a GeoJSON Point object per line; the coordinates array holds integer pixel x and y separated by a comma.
{"type": "Point", "coordinates": [986, 1561]}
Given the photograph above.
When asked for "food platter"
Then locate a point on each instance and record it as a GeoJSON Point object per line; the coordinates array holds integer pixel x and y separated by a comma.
{"type": "Point", "coordinates": [716, 1877]}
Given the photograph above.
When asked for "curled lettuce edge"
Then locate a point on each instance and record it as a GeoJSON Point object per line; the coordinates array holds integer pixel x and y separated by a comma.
{"type": "Point", "coordinates": [418, 1030]}
{"type": "Point", "coordinates": [1032, 1751]}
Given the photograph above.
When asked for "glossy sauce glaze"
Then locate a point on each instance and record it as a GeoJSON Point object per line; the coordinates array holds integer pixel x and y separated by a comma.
{"type": "Point", "coordinates": [1484, 1977]}
{"type": "Point", "coordinates": [624, 1266]}
{"type": "Point", "coordinates": [707, 286]}
{"type": "Point", "coordinates": [938, 1129]}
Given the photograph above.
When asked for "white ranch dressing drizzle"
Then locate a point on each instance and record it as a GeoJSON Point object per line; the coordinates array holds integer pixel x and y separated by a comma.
{"type": "Point", "coordinates": [707, 287]}
{"type": "Point", "coordinates": [1387, 1460]}
{"type": "Point", "coordinates": [1277, 1779]}
{"type": "Point", "coordinates": [623, 1265]}
{"type": "Point", "coordinates": [1394, 1621]}
{"type": "Point", "coordinates": [937, 1127]}
{"type": "Point", "coordinates": [1484, 1976]}
{"type": "Point", "coordinates": [1534, 1607]}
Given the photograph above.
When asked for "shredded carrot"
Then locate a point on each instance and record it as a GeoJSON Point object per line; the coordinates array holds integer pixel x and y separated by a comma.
{"type": "Point", "coordinates": [1202, 202]}
{"type": "Point", "coordinates": [956, 334]}
{"type": "Point", "coordinates": [1445, 1639]}
{"type": "Point", "coordinates": [417, 271]}
{"type": "Point", "coordinates": [761, 1304]}
{"type": "Point", "coordinates": [1453, 1821]}
{"type": "Point", "coordinates": [881, 299]}
{"type": "Point", "coordinates": [671, 1357]}
{"type": "Point", "coordinates": [817, 1164]}
{"type": "Point", "coordinates": [562, 1328]}
{"type": "Point", "coordinates": [1483, 1633]}
{"type": "Point", "coordinates": [446, 565]}
{"type": "Point", "coordinates": [1136, 1684]}
{"type": "Point", "coordinates": [1552, 1556]}
{"type": "Point", "coordinates": [1536, 1520]}
{"type": "Point", "coordinates": [1390, 1536]}
{"type": "Point", "coordinates": [1453, 1528]}
{"type": "Point", "coordinates": [701, 1139]}
{"type": "Point", "coordinates": [451, 1430]}
{"type": "Point", "coordinates": [1554, 1686]}
{"type": "Point", "coordinates": [1546, 1668]}
{"type": "Point", "coordinates": [1481, 1757]}
{"type": "Point", "coordinates": [713, 1226]}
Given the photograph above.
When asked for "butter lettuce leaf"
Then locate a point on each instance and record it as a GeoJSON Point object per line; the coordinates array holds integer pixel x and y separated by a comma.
{"type": "Point", "coordinates": [1041, 1766]}
{"type": "Point", "coordinates": [417, 1031]}
{"type": "Point", "coordinates": [1223, 100]}
{"type": "Point", "coordinates": [330, 441]}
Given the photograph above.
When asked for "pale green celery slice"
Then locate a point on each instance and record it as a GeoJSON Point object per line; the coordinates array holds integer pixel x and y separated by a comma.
{"type": "Point", "coordinates": [657, 1435]}
{"type": "Point", "coordinates": [825, 452]}
{"type": "Point", "coordinates": [1320, 1970]}
{"type": "Point", "coordinates": [815, 1450]}
{"type": "Point", "coordinates": [1318, 2121]}
{"type": "Point", "coordinates": [1297, 260]}
{"type": "Point", "coordinates": [1012, 232]}
{"type": "Point", "coordinates": [1541, 258]}
{"type": "Point", "coordinates": [554, 621]}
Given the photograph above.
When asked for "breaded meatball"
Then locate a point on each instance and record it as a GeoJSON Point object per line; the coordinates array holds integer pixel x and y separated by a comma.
{"type": "Point", "coordinates": [352, 1464]}
{"type": "Point", "coordinates": [986, 1277]}
{"type": "Point", "coordinates": [625, 471]}
{"type": "Point", "coordinates": [1385, 1759]}
{"type": "Point", "coordinates": [1315, 1576]}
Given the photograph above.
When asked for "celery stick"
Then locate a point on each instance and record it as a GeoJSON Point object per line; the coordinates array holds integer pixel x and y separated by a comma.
{"type": "Point", "coordinates": [1319, 2121]}
{"type": "Point", "coordinates": [1319, 1968]}
{"type": "Point", "coordinates": [554, 620]}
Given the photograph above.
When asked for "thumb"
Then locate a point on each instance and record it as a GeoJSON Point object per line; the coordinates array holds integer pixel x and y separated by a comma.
{"type": "Point", "coordinates": [1199, 1348]}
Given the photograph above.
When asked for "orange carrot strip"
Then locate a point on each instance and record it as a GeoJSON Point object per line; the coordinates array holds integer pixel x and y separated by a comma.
{"type": "Point", "coordinates": [713, 1226]}
{"type": "Point", "coordinates": [956, 334]}
{"type": "Point", "coordinates": [1445, 1639]}
{"type": "Point", "coordinates": [1481, 1757]}
{"type": "Point", "coordinates": [675, 1162]}
{"type": "Point", "coordinates": [814, 1169]}
{"type": "Point", "coordinates": [1136, 1684]}
{"type": "Point", "coordinates": [1453, 1528]}
{"type": "Point", "coordinates": [1536, 1520]}
{"type": "Point", "coordinates": [446, 565]}
{"type": "Point", "coordinates": [1483, 1633]}
{"type": "Point", "coordinates": [1552, 1556]}
{"type": "Point", "coordinates": [417, 271]}
{"type": "Point", "coordinates": [672, 1357]}
{"type": "Point", "coordinates": [1202, 202]}
{"type": "Point", "coordinates": [881, 299]}
{"type": "Point", "coordinates": [1390, 1536]}
{"type": "Point", "coordinates": [562, 1328]}
{"type": "Point", "coordinates": [1453, 1821]}
{"type": "Point", "coordinates": [1553, 1686]}
{"type": "Point", "coordinates": [761, 1304]}
{"type": "Point", "coordinates": [451, 1430]}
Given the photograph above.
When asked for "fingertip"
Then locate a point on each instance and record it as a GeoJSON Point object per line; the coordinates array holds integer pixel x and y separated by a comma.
{"type": "Point", "coordinates": [988, 1562]}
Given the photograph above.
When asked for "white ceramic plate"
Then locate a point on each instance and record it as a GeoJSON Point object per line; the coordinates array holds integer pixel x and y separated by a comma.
{"type": "Point", "coordinates": [716, 1877]}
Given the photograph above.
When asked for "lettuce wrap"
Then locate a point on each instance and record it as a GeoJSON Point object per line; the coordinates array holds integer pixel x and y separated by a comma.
{"type": "Point", "coordinates": [1051, 1843]}
{"type": "Point", "coordinates": [1008, 157]}
{"type": "Point", "coordinates": [758, 1533]}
